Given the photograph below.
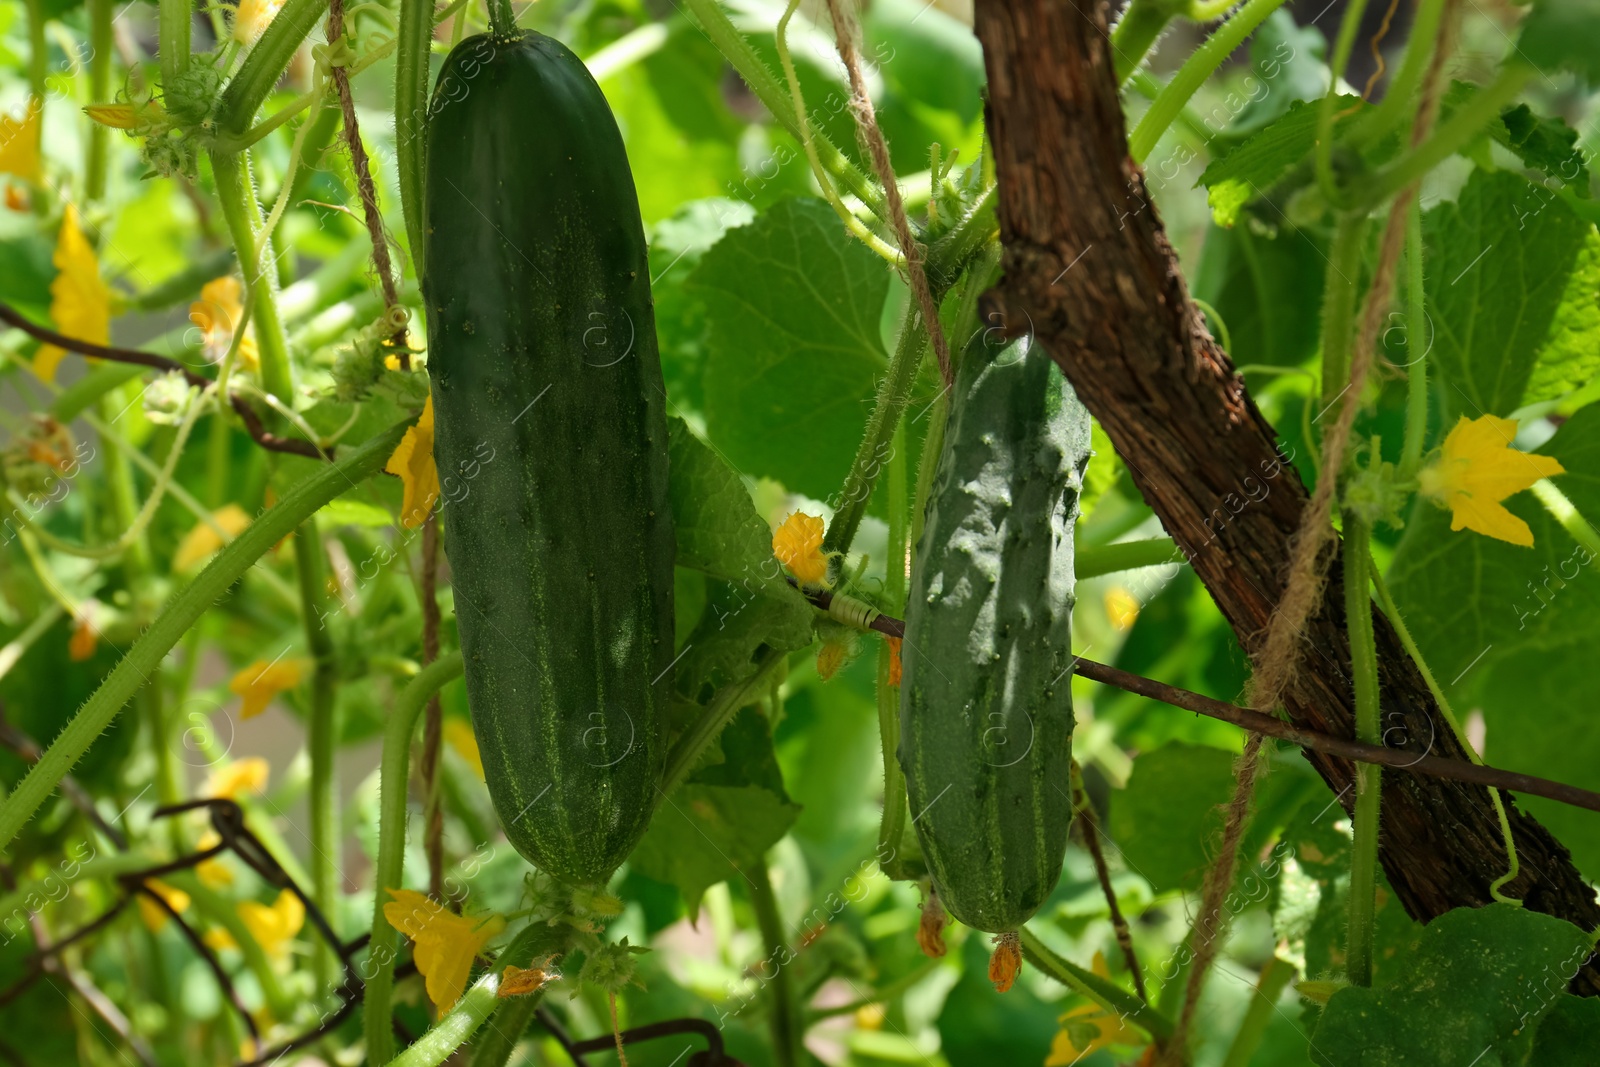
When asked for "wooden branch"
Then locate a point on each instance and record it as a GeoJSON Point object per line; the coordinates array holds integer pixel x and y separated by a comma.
{"type": "Point", "coordinates": [1089, 271]}
{"type": "Point", "coordinates": [252, 422]}
{"type": "Point", "coordinates": [1456, 770]}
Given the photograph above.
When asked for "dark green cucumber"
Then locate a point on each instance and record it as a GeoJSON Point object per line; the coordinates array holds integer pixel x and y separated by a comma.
{"type": "Point", "coordinates": [551, 444]}
{"type": "Point", "coordinates": [986, 695]}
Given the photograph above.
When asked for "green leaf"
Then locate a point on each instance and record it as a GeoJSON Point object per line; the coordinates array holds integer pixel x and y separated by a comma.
{"type": "Point", "coordinates": [1543, 144]}
{"type": "Point", "coordinates": [676, 247]}
{"type": "Point", "coordinates": [1249, 170]}
{"type": "Point", "coordinates": [1577, 445]}
{"type": "Point", "coordinates": [748, 605]}
{"type": "Point", "coordinates": [1563, 34]}
{"type": "Point", "coordinates": [1570, 357]}
{"type": "Point", "coordinates": [927, 56]}
{"type": "Point", "coordinates": [794, 352]}
{"type": "Point", "coordinates": [1165, 818]}
{"type": "Point", "coordinates": [348, 512]}
{"type": "Point", "coordinates": [1498, 263]}
{"type": "Point", "coordinates": [736, 626]}
{"type": "Point", "coordinates": [1471, 983]}
{"type": "Point", "coordinates": [1546, 144]}
{"type": "Point", "coordinates": [1286, 59]}
{"type": "Point", "coordinates": [1266, 287]}
{"type": "Point", "coordinates": [718, 529]}
{"type": "Point", "coordinates": [724, 817]}
{"type": "Point", "coordinates": [1471, 600]}
{"type": "Point", "coordinates": [1566, 1034]}
{"type": "Point", "coordinates": [1538, 711]}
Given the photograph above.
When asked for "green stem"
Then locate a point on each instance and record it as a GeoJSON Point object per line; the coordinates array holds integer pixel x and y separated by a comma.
{"type": "Point", "coordinates": [265, 63]}
{"type": "Point", "coordinates": [1416, 350]}
{"type": "Point", "coordinates": [1110, 996]}
{"type": "Point", "coordinates": [1263, 1009]}
{"type": "Point", "coordinates": [1322, 152]}
{"type": "Point", "coordinates": [411, 117]}
{"type": "Point", "coordinates": [1127, 556]}
{"type": "Point", "coordinates": [1369, 777]}
{"type": "Point", "coordinates": [1194, 72]}
{"type": "Point", "coordinates": [784, 1018]}
{"type": "Point", "coordinates": [38, 54]}
{"type": "Point", "coordinates": [536, 940]}
{"type": "Point", "coordinates": [723, 707]}
{"type": "Point", "coordinates": [173, 43]}
{"type": "Point", "coordinates": [892, 827]}
{"type": "Point", "coordinates": [1452, 135]}
{"type": "Point", "coordinates": [100, 47]}
{"type": "Point", "coordinates": [894, 392]}
{"type": "Point", "coordinates": [738, 52]}
{"type": "Point", "coordinates": [502, 19]}
{"type": "Point", "coordinates": [506, 1027]}
{"type": "Point", "coordinates": [1400, 98]}
{"type": "Point", "coordinates": [388, 872]}
{"type": "Point", "coordinates": [1386, 602]}
{"type": "Point", "coordinates": [1566, 513]}
{"type": "Point", "coordinates": [236, 193]}
{"type": "Point", "coordinates": [120, 490]}
{"type": "Point", "coordinates": [1135, 34]}
{"type": "Point", "coordinates": [322, 740]}
{"type": "Point", "coordinates": [1339, 304]}
{"type": "Point", "coordinates": [142, 660]}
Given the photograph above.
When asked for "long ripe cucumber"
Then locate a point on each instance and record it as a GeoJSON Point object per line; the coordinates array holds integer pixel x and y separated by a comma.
{"type": "Point", "coordinates": [986, 696]}
{"type": "Point", "coordinates": [550, 425]}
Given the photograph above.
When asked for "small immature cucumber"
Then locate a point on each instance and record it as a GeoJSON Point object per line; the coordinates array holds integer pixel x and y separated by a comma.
{"type": "Point", "coordinates": [986, 695]}
{"type": "Point", "coordinates": [551, 444]}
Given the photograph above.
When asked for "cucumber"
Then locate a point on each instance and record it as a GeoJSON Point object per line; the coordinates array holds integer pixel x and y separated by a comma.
{"type": "Point", "coordinates": [986, 695]}
{"type": "Point", "coordinates": [551, 444]}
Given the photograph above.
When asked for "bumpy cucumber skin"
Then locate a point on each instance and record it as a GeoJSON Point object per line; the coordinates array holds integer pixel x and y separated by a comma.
{"type": "Point", "coordinates": [986, 696]}
{"type": "Point", "coordinates": [551, 444]}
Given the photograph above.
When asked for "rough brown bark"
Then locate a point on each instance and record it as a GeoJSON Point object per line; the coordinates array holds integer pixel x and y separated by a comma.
{"type": "Point", "coordinates": [1089, 271]}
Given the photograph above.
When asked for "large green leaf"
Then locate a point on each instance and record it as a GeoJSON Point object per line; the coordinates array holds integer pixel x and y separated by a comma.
{"type": "Point", "coordinates": [1563, 34]}
{"type": "Point", "coordinates": [927, 56]}
{"type": "Point", "coordinates": [1267, 288]}
{"type": "Point", "coordinates": [1499, 260]}
{"type": "Point", "coordinates": [1538, 711]}
{"type": "Point", "coordinates": [1567, 1034]}
{"type": "Point", "coordinates": [748, 605]}
{"type": "Point", "coordinates": [1465, 994]}
{"type": "Point", "coordinates": [676, 247]}
{"type": "Point", "coordinates": [794, 304]}
{"type": "Point", "coordinates": [724, 817]}
{"type": "Point", "coordinates": [1168, 814]}
{"type": "Point", "coordinates": [1577, 445]}
{"type": "Point", "coordinates": [1570, 356]}
{"type": "Point", "coordinates": [1471, 600]}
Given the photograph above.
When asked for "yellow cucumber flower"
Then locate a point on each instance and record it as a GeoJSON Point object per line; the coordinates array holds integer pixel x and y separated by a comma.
{"type": "Point", "coordinates": [199, 543]}
{"type": "Point", "coordinates": [459, 736]}
{"type": "Point", "coordinates": [248, 775]}
{"type": "Point", "coordinates": [80, 303]}
{"type": "Point", "coordinates": [446, 943]}
{"type": "Point", "coordinates": [274, 926]}
{"type": "Point", "coordinates": [19, 143]}
{"type": "Point", "coordinates": [1477, 469]}
{"type": "Point", "coordinates": [153, 914]}
{"type": "Point", "coordinates": [218, 313]}
{"type": "Point", "coordinates": [797, 542]}
{"type": "Point", "coordinates": [258, 684]}
{"type": "Point", "coordinates": [1089, 1028]}
{"type": "Point", "coordinates": [413, 462]}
